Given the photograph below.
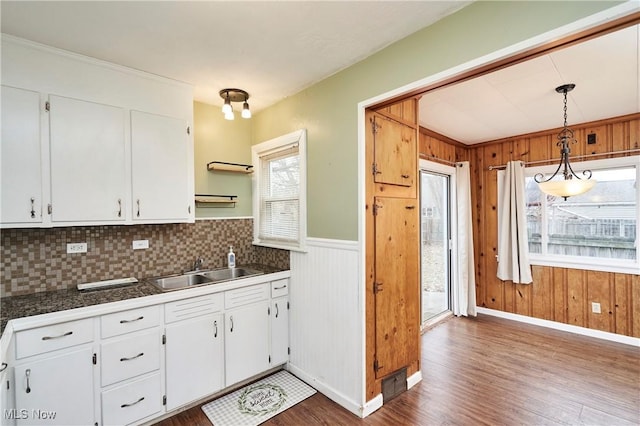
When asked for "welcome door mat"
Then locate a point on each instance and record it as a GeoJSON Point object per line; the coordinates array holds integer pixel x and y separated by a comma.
{"type": "Point", "coordinates": [259, 401]}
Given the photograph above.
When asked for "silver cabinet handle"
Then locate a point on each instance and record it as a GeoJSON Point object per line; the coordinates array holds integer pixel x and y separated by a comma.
{"type": "Point", "coordinates": [215, 329]}
{"type": "Point", "coordinates": [133, 403]}
{"type": "Point", "coordinates": [277, 311]}
{"type": "Point", "coordinates": [280, 288]}
{"type": "Point", "coordinates": [33, 208]}
{"type": "Point", "coordinates": [133, 320]}
{"type": "Point", "coordinates": [133, 357]}
{"type": "Point", "coordinates": [4, 367]}
{"type": "Point", "coordinates": [28, 374]}
{"type": "Point", "coordinates": [119, 207]}
{"type": "Point", "coordinates": [68, 333]}
{"type": "Point", "coordinates": [231, 319]}
{"type": "Point", "coordinates": [138, 203]}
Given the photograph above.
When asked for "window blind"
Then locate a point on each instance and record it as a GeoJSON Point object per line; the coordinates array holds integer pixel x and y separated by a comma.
{"type": "Point", "coordinates": [280, 196]}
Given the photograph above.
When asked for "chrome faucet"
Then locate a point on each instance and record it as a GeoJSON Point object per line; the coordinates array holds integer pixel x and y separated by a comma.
{"type": "Point", "coordinates": [198, 264]}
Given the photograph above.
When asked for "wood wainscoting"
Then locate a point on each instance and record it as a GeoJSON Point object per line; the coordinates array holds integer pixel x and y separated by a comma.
{"type": "Point", "coordinates": [557, 294]}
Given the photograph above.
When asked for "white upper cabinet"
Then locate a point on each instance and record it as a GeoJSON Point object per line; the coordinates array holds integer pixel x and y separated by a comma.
{"type": "Point", "coordinates": [160, 166]}
{"type": "Point", "coordinates": [20, 152]}
{"type": "Point", "coordinates": [113, 148]}
{"type": "Point", "coordinates": [88, 180]}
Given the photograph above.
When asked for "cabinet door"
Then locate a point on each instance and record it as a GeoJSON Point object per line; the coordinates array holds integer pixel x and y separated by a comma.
{"type": "Point", "coordinates": [159, 167]}
{"type": "Point", "coordinates": [194, 359]}
{"type": "Point", "coordinates": [56, 390]}
{"type": "Point", "coordinates": [88, 180]}
{"type": "Point", "coordinates": [395, 153]}
{"type": "Point", "coordinates": [246, 342]}
{"type": "Point", "coordinates": [20, 169]}
{"type": "Point", "coordinates": [279, 331]}
{"type": "Point", "coordinates": [7, 407]}
{"type": "Point", "coordinates": [397, 248]}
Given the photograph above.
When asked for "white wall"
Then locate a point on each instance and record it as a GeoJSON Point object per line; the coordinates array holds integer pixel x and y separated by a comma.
{"type": "Point", "coordinates": [325, 320]}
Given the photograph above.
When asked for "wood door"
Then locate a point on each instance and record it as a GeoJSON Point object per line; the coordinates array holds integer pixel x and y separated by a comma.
{"type": "Point", "coordinates": [396, 284]}
{"type": "Point", "coordinates": [394, 152]}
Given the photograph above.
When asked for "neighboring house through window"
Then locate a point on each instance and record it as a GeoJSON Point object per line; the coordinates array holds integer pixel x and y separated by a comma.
{"type": "Point", "coordinates": [596, 230]}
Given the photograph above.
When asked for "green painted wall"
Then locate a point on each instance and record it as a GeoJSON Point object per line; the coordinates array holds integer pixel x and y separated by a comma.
{"type": "Point", "coordinates": [328, 110]}
{"type": "Point", "coordinates": [217, 139]}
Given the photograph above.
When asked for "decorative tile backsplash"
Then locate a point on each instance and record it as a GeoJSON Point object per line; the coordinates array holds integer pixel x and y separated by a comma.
{"type": "Point", "coordinates": [35, 260]}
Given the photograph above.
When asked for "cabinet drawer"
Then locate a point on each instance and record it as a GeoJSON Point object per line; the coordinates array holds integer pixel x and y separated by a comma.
{"type": "Point", "coordinates": [130, 356]}
{"type": "Point", "coordinates": [193, 307]}
{"type": "Point", "coordinates": [279, 288]}
{"type": "Point", "coordinates": [52, 337]}
{"type": "Point", "coordinates": [246, 295]}
{"type": "Point", "coordinates": [132, 401]}
{"type": "Point", "coordinates": [128, 321]}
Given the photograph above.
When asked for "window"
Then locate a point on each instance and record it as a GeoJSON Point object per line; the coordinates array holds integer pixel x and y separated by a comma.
{"type": "Point", "coordinates": [279, 193]}
{"type": "Point", "coordinates": [596, 230]}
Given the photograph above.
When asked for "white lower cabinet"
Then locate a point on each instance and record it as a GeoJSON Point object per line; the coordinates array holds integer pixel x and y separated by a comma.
{"type": "Point", "coordinates": [279, 331]}
{"type": "Point", "coordinates": [57, 390]}
{"type": "Point", "coordinates": [130, 356]}
{"type": "Point", "coordinates": [135, 400]}
{"type": "Point", "coordinates": [246, 336]}
{"type": "Point", "coordinates": [131, 366]}
{"type": "Point", "coordinates": [194, 359]}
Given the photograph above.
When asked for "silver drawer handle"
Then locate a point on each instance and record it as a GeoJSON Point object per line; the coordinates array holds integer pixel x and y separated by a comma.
{"type": "Point", "coordinates": [68, 333]}
{"type": "Point", "coordinates": [133, 357]}
{"type": "Point", "coordinates": [28, 374]}
{"type": "Point", "coordinates": [215, 326]}
{"type": "Point", "coordinates": [133, 403]}
{"type": "Point", "coordinates": [133, 320]}
{"type": "Point", "coordinates": [280, 288]}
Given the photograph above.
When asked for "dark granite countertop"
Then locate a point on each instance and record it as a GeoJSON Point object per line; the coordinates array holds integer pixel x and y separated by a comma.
{"type": "Point", "coordinates": [60, 300]}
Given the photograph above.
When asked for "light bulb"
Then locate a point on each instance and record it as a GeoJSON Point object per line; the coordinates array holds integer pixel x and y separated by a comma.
{"type": "Point", "coordinates": [246, 112]}
{"type": "Point", "coordinates": [226, 108]}
{"type": "Point", "coordinates": [229, 115]}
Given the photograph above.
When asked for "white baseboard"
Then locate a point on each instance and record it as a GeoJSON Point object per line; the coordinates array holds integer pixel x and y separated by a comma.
{"type": "Point", "coordinates": [613, 337]}
{"type": "Point", "coordinates": [329, 392]}
{"type": "Point", "coordinates": [414, 379]}
{"type": "Point", "coordinates": [371, 406]}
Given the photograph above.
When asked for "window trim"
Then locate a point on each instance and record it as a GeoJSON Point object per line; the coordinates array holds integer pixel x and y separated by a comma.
{"type": "Point", "coordinates": [272, 146]}
{"type": "Point", "coordinates": [592, 263]}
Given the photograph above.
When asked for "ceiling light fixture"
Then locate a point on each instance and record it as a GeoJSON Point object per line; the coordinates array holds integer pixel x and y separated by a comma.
{"type": "Point", "coordinates": [234, 95]}
{"type": "Point", "coordinates": [572, 184]}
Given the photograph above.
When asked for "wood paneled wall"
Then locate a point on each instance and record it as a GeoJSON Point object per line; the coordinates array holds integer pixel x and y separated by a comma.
{"type": "Point", "coordinates": [556, 294]}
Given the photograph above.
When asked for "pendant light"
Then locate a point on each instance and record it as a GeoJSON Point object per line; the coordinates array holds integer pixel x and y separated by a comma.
{"type": "Point", "coordinates": [571, 184]}
{"type": "Point", "coordinates": [234, 95]}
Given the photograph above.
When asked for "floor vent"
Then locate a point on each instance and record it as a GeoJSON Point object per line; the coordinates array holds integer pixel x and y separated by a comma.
{"type": "Point", "coordinates": [394, 385]}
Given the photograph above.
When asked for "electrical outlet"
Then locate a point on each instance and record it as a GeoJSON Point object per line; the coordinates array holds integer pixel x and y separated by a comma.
{"type": "Point", "coordinates": [76, 248]}
{"type": "Point", "coordinates": [140, 244]}
{"type": "Point", "coordinates": [595, 308]}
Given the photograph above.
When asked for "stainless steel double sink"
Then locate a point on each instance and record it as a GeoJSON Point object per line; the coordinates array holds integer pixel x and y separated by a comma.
{"type": "Point", "coordinates": [198, 278]}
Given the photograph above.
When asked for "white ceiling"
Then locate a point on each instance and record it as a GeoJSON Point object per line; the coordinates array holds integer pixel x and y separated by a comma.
{"type": "Point", "coordinates": [522, 98]}
{"type": "Point", "coordinates": [272, 49]}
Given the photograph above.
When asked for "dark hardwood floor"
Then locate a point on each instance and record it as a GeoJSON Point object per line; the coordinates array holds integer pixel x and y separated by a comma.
{"type": "Point", "coordinates": [491, 371]}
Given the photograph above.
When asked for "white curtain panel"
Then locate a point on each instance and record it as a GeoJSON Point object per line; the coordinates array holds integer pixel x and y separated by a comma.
{"type": "Point", "coordinates": [513, 250]}
{"type": "Point", "coordinates": [466, 282]}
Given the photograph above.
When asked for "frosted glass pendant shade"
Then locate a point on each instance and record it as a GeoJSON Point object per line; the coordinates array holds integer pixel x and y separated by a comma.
{"type": "Point", "coordinates": [566, 188]}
